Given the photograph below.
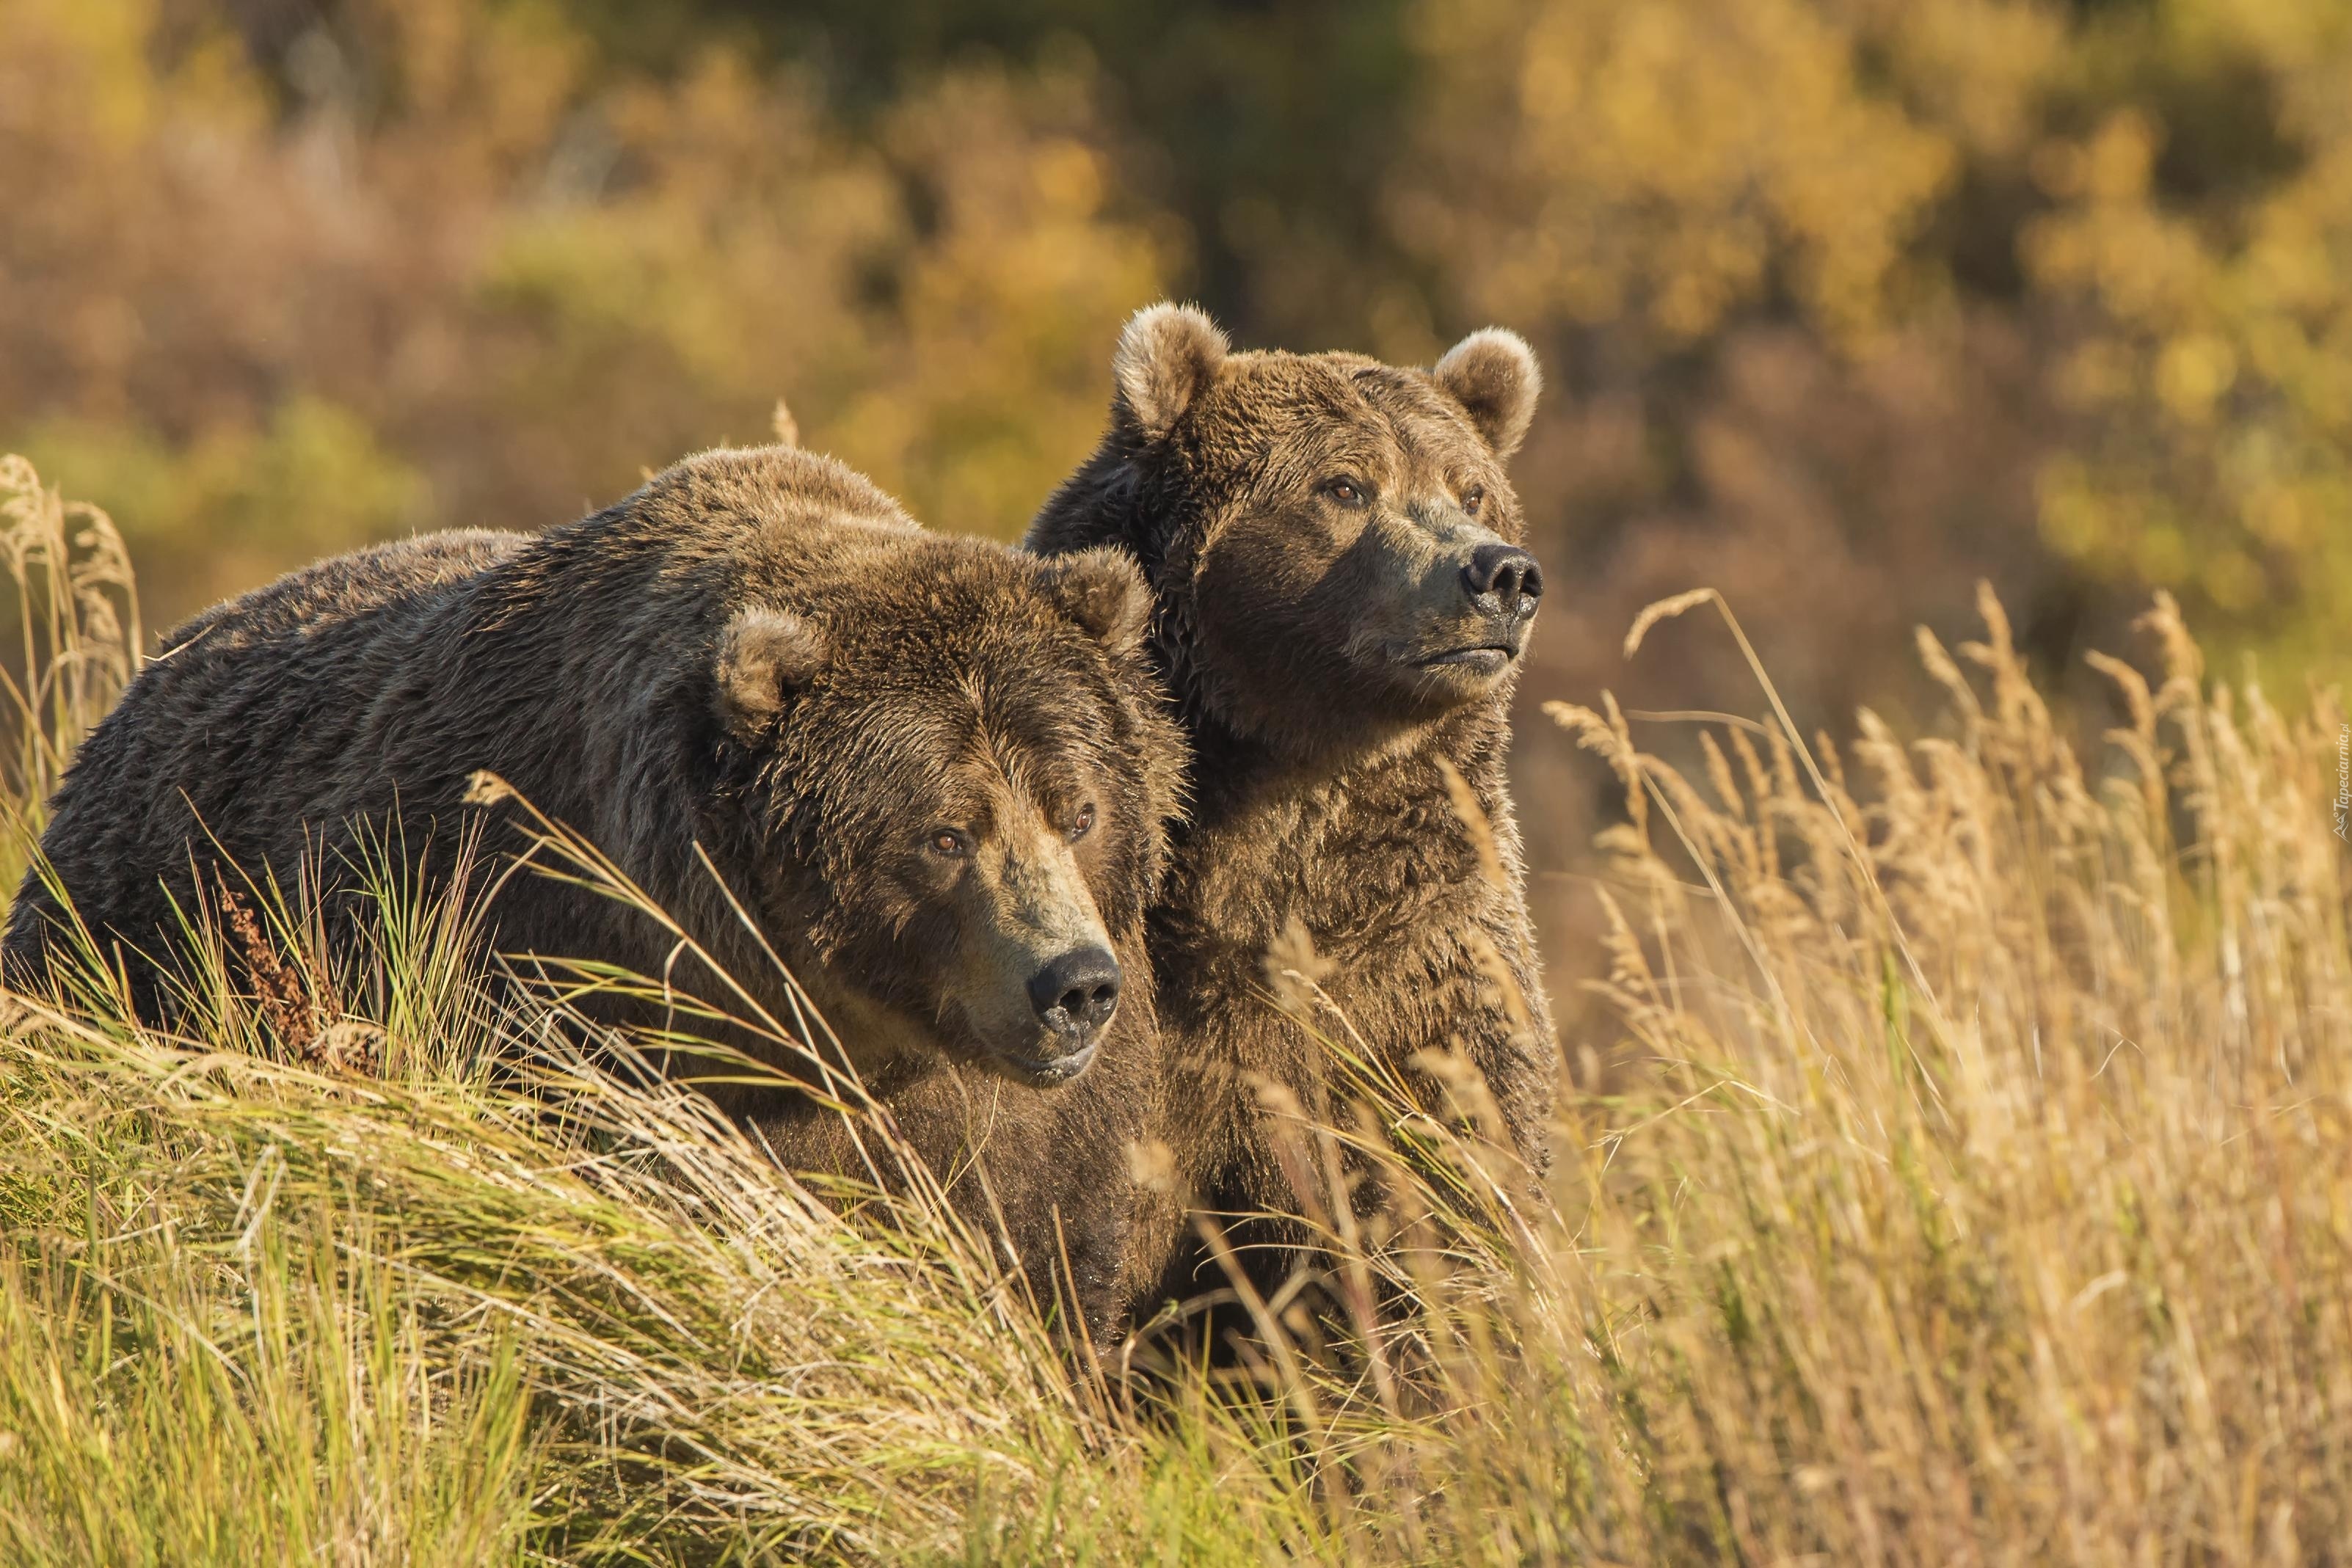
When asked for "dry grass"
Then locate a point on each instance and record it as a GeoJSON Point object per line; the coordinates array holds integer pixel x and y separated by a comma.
{"type": "Point", "coordinates": [1972, 1183]}
{"type": "Point", "coordinates": [77, 636]}
{"type": "Point", "coordinates": [1997, 1206]}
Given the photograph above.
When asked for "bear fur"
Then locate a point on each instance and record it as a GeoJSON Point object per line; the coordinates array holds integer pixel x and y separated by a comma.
{"type": "Point", "coordinates": [924, 765]}
{"type": "Point", "coordinates": [1341, 606]}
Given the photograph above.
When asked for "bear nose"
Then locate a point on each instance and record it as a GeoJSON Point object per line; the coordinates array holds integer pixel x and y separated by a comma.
{"type": "Point", "coordinates": [1078, 992]}
{"type": "Point", "coordinates": [1508, 572]}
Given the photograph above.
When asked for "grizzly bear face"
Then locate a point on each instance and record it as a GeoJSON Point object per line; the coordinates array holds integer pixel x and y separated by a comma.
{"type": "Point", "coordinates": [1335, 542]}
{"type": "Point", "coordinates": [958, 790]}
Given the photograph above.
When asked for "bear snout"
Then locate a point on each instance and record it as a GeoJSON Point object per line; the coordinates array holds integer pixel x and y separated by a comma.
{"type": "Point", "coordinates": [1507, 572]}
{"type": "Point", "coordinates": [1076, 994]}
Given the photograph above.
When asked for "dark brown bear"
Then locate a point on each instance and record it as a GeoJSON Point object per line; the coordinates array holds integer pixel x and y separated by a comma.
{"type": "Point", "coordinates": [934, 771]}
{"type": "Point", "coordinates": [1342, 605]}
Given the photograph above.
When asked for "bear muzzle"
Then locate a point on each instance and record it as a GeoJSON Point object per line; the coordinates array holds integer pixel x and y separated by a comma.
{"type": "Point", "coordinates": [1076, 994]}
{"type": "Point", "coordinates": [1073, 998]}
{"type": "Point", "coordinates": [1482, 625]}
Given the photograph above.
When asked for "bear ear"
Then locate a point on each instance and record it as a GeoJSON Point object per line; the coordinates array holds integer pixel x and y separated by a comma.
{"type": "Point", "coordinates": [1492, 373]}
{"type": "Point", "coordinates": [764, 658]}
{"type": "Point", "coordinates": [1103, 590]}
{"type": "Point", "coordinates": [1167, 356]}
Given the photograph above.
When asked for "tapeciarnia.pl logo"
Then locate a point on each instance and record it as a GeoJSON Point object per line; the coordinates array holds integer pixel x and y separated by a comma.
{"type": "Point", "coordinates": [2343, 778]}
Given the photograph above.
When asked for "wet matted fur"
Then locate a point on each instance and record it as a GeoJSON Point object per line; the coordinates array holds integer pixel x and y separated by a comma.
{"type": "Point", "coordinates": [758, 653]}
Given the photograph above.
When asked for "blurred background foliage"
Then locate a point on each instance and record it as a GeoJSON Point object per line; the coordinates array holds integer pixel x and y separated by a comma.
{"type": "Point", "coordinates": [1845, 304]}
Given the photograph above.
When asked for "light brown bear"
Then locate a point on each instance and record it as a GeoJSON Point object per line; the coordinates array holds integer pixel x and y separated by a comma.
{"type": "Point", "coordinates": [1342, 606]}
{"type": "Point", "coordinates": [934, 772]}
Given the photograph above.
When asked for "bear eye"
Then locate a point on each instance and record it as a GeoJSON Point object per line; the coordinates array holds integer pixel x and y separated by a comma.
{"type": "Point", "coordinates": [1346, 490]}
{"type": "Point", "coordinates": [1083, 822]}
{"type": "Point", "coordinates": [948, 842]}
{"type": "Point", "coordinates": [1473, 499]}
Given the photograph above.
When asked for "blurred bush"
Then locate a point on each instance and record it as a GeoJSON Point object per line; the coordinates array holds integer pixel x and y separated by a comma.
{"type": "Point", "coordinates": [2091, 265]}
{"type": "Point", "coordinates": [433, 263]}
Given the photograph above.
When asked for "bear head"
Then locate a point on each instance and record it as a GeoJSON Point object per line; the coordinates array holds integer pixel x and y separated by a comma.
{"type": "Point", "coordinates": [1334, 543]}
{"type": "Point", "coordinates": [950, 768]}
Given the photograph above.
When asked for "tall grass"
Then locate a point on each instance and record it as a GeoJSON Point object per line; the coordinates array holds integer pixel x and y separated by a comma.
{"type": "Point", "coordinates": [1965, 1175]}
{"type": "Point", "coordinates": [77, 639]}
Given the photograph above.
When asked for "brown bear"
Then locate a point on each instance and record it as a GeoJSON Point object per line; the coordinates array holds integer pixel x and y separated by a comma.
{"type": "Point", "coordinates": [933, 771]}
{"type": "Point", "coordinates": [1342, 605]}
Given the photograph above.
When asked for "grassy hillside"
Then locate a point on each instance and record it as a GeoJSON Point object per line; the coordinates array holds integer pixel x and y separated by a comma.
{"type": "Point", "coordinates": [1964, 1175]}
